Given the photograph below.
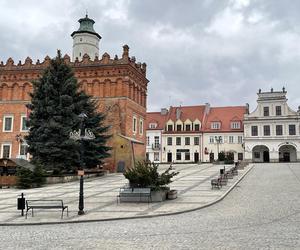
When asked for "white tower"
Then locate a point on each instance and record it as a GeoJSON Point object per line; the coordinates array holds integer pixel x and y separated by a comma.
{"type": "Point", "coordinates": [85, 40]}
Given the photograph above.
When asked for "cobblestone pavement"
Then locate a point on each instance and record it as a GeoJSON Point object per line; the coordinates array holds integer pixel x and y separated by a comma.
{"type": "Point", "coordinates": [262, 212]}
{"type": "Point", "coordinates": [100, 196]}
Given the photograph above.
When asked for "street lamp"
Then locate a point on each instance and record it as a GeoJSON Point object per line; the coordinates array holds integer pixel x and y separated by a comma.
{"type": "Point", "coordinates": [81, 135]}
{"type": "Point", "coordinates": [218, 139]}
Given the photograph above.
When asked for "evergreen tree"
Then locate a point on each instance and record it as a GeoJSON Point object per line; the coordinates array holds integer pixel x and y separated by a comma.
{"type": "Point", "coordinates": [55, 105]}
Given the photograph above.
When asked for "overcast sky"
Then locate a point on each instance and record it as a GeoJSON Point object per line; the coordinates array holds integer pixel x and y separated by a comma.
{"type": "Point", "coordinates": [197, 51]}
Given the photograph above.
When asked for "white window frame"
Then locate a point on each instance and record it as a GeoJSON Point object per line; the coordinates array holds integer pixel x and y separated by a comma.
{"type": "Point", "coordinates": [21, 124]}
{"type": "Point", "coordinates": [231, 139]}
{"type": "Point", "coordinates": [134, 124]}
{"type": "Point", "coordinates": [215, 125]}
{"type": "Point", "coordinates": [10, 147]}
{"type": "Point", "coordinates": [211, 139]}
{"type": "Point", "coordinates": [148, 140]}
{"type": "Point", "coordinates": [25, 144]}
{"type": "Point", "coordinates": [235, 125]}
{"type": "Point", "coordinates": [141, 126]}
{"type": "Point", "coordinates": [240, 139]}
{"type": "Point", "coordinates": [152, 125]}
{"type": "Point", "coordinates": [154, 156]}
{"type": "Point", "coordinates": [12, 123]}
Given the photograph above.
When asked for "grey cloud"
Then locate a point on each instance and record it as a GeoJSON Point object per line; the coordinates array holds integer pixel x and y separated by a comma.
{"type": "Point", "coordinates": [196, 51]}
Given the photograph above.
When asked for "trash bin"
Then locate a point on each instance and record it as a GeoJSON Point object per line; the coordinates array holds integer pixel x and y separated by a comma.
{"type": "Point", "coordinates": [21, 204]}
{"type": "Point", "coordinates": [222, 171]}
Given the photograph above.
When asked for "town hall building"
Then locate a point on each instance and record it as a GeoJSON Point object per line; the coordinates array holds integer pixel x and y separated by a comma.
{"type": "Point", "coordinates": [119, 84]}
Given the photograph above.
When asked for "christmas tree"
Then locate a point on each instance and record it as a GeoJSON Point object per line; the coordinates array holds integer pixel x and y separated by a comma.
{"type": "Point", "coordinates": [55, 106]}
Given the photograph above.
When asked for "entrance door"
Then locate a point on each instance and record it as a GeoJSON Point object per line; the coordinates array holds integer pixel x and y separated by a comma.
{"type": "Point", "coordinates": [286, 157]}
{"type": "Point", "coordinates": [211, 157]}
{"type": "Point", "coordinates": [169, 157]}
{"type": "Point", "coordinates": [266, 156]}
{"type": "Point", "coordinates": [196, 157]}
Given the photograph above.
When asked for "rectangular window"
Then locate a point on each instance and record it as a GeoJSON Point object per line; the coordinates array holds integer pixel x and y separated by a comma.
{"type": "Point", "coordinates": [218, 139]}
{"type": "Point", "coordinates": [178, 127]}
{"type": "Point", "coordinates": [178, 156]}
{"type": "Point", "coordinates": [235, 125]}
{"type": "Point", "coordinates": [134, 125]}
{"type": "Point", "coordinates": [197, 127]}
{"type": "Point", "coordinates": [240, 139]}
{"type": "Point", "coordinates": [141, 126]}
{"type": "Point", "coordinates": [178, 141]}
{"type": "Point", "coordinates": [156, 141]}
{"type": "Point", "coordinates": [196, 140]}
{"type": "Point", "coordinates": [187, 141]}
{"type": "Point", "coordinates": [254, 130]}
{"type": "Point", "coordinates": [8, 124]}
{"type": "Point", "coordinates": [292, 129]}
{"type": "Point", "coordinates": [266, 111]}
{"type": "Point", "coordinates": [23, 149]}
{"type": "Point", "coordinates": [156, 156]}
{"type": "Point", "coordinates": [24, 128]}
{"type": "Point", "coordinates": [278, 110]}
{"type": "Point", "coordinates": [170, 127]}
{"type": "Point", "coordinates": [188, 127]}
{"type": "Point", "coordinates": [215, 125]}
{"type": "Point", "coordinates": [230, 139]}
{"type": "Point", "coordinates": [147, 156]}
{"type": "Point", "coordinates": [6, 150]}
{"type": "Point", "coordinates": [148, 140]}
{"type": "Point", "coordinates": [266, 130]}
{"type": "Point", "coordinates": [278, 129]}
{"type": "Point", "coordinates": [152, 125]}
{"type": "Point", "coordinates": [240, 156]}
{"type": "Point", "coordinates": [257, 155]}
{"type": "Point", "coordinates": [211, 139]}
{"type": "Point", "coordinates": [187, 156]}
{"type": "Point", "coordinates": [169, 141]}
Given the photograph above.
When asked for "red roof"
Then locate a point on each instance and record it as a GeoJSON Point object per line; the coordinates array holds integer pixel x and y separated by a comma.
{"type": "Point", "coordinates": [187, 112]}
{"type": "Point", "coordinates": [225, 115]}
{"type": "Point", "coordinates": [156, 117]}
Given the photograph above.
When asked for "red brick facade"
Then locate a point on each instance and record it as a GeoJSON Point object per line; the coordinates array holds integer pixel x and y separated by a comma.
{"type": "Point", "coordinates": [119, 85]}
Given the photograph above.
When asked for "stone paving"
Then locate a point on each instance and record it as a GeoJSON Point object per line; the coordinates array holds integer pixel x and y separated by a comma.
{"type": "Point", "coordinates": [100, 195]}
{"type": "Point", "coordinates": [261, 212]}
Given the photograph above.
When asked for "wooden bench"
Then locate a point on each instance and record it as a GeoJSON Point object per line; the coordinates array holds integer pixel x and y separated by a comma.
{"type": "Point", "coordinates": [216, 183]}
{"type": "Point", "coordinates": [46, 204]}
{"type": "Point", "coordinates": [137, 194]}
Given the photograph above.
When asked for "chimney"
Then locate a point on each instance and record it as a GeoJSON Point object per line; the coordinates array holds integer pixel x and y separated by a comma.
{"type": "Point", "coordinates": [164, 111]}
{"type": "Point", "coordinates": [247, 108]}
{"type": "Point", "coordinates": [207, 108]}
{"type": "Point", "coordinates": [178, 113]}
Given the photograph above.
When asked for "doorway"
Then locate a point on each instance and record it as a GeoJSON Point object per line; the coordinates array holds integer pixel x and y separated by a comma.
{"type": "Point", "coordinates": [169, 157]}
{"type": "Point", "coordinates": [196, 157]}
{"type": "Point", "coordinates": [266, 156]}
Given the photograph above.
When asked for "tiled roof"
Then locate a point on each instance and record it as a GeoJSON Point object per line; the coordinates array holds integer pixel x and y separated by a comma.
{"type": "Point", "coordinates": [187, 112]}
{"type": "Point", "coordinates": [225, 115]}
{"type": "Point", "coordinates": [156, 117]}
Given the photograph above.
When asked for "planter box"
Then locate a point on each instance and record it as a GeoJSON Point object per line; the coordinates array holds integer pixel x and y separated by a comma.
{"type": "Point", "coordinates": [158, 196]}
{"type": "Point", "coordinates": [172, 194]}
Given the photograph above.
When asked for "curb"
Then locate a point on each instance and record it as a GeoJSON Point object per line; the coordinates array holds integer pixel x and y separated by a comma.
{"type": "Point", "coordinates": [136, 217]}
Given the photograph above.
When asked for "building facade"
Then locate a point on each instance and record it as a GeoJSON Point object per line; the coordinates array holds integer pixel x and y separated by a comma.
{"type": "Point", "coordinates": [223, 132]}
{"type": "Point", "coordinates": [272, 130]}
{"type": "Point", "coordinates": [119, 85]}
{"type": "Point", "coordinates": [195, 133]}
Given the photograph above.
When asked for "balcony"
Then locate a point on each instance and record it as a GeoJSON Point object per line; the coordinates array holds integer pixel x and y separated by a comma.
{"type": "Point", "coordinates": [155, 146]}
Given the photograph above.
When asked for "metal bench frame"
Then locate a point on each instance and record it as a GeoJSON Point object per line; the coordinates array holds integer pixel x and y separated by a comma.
{"type": "Point", "coordinates": [46, 204]}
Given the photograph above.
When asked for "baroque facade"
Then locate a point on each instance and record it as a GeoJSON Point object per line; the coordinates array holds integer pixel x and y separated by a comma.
{"type": "Point", "coordinates": [272, 130]}
{"type": "Point", "coordinates": [119, 85]}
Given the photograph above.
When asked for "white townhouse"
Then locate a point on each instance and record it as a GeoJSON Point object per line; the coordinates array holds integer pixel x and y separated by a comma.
{"type": "Point", "coordinates": [272, 130]}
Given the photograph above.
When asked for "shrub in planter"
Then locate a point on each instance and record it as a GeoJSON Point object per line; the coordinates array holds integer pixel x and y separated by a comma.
{"type": "Point", "coordinates": [145, 174]}
{"type": "Point", "coordinates": [221, 156]}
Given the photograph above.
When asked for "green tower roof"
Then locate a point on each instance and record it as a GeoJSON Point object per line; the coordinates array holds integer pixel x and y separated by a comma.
{"type": "Point", "coordinates": [86, 26]}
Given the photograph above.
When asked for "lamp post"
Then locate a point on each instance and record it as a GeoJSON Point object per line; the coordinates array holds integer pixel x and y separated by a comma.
{"type": "Point", "coordinates": [81, 135]}
{"type": "Point", "coordinates": [218, 140]}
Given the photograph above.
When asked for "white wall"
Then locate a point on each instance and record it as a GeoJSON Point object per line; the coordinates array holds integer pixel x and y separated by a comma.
{"type": "Point", "coordinates": [85, 43]}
